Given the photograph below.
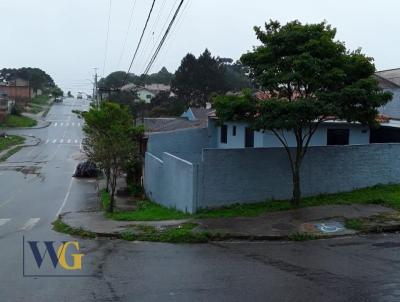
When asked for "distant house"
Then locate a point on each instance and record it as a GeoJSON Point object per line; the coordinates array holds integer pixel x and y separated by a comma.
{"type": "Point", "coordinates": [389, 80]}
{"type": "Point", "coordinates": [18, 90]}
{"type": "Point", "coordinates": [148, 92]}
{"type": "Point", "coordinates": [157, 88]}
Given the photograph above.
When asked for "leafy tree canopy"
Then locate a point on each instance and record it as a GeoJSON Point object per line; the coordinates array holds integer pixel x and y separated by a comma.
{"type": "Point", "coordinates": [310, 77]}
{"type": "Point", "coordinates": [198, 79]}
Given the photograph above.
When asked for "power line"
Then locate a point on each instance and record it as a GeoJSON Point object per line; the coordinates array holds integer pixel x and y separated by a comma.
{"type": "Point", "coordinates": [127, 33]}
{"type": "Point", "coordinates": [163, 39]}
{"type": "Point", "coordinates": [159, 35]}
{"type": "Point", "coordinates": [140, 41]}
{"type": "Point", "coordinates": [177, 27]}
{"type": "Point", "coordinates": [107, 38]}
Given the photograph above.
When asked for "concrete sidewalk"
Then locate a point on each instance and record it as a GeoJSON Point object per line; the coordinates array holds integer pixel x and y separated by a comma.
{"type": "Point", "coordinates": [324, 221]}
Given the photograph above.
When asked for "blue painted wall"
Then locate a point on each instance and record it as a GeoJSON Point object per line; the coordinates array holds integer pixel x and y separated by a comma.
{"type": "Point", "coordinates": [392, 108]}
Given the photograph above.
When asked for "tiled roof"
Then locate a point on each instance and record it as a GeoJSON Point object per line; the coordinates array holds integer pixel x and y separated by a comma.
{"type": "Point", "coordinates": [385, 83]}
{"type": "Point", "coordinates": [152, 125]}
{"type": "Point", "coordinates": [392, 75]}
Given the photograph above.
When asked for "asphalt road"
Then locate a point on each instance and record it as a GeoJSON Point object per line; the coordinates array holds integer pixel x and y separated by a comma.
{"type": "Point", "coordinates": [36, 185]}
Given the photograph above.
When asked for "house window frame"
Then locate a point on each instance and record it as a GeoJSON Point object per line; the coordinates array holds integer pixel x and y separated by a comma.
{"type": "Point", "coordinates": [234, 131]}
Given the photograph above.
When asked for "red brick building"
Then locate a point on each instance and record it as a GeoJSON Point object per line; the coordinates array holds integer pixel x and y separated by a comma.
{"type": "Point", "coordinates": [18, 90]}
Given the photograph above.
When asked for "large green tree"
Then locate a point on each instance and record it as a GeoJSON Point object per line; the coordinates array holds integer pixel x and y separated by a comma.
{"type": "Point", "coordinates": [197, 79]}
{"type": "Point", "coordinates": [310, 78]}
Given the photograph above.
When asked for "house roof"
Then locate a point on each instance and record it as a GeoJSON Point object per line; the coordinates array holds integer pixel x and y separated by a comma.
{"type": "Point", "coordinates": [385, 83]}
{"type": "Point", "coordinates": [153, 125]}
{"type": "Point", "coordinates": [158, 87]}
{"type": "Point", "coordinates": [201, 113]}
{"type": "Point", "coordinates": [391, 75]}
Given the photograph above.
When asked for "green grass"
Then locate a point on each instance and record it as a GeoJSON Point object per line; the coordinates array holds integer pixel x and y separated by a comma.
{"type": "Point", "coordinates": [387, 195]}
{"type": "Point", "coordinates": [10, 153]}
{"type": "Point", "coordinates": [182, 234]}
{"type": "Point", "coordinates": [146, 211]}
{"type": "Point", "coordinates": [9, 141]}
{"type": "Point", "coordinates": [41, 100]}
{"type": "Point", "coordinates": [302, 237]}
{"type": "Point", "coordinates": [61, 227]}
{"type": "Point", "coordinates": [18, 121]}
{"type": "Point", "coordinates": [354, 224]}
{"type": "Point", "coordinates": [35, 109]}
{"type": "Point", "coordinates": [105, 199]}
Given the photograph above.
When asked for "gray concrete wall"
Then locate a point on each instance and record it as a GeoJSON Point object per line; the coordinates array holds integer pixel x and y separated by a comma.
{"type": "Point", "coordinates": [170, 181]}
{"type": "Point", "coordinates": [153, 177]}
{"type": "Point", "coordinates": [251, 175]}
{"type": "Point", "coordinates": [181, 141]}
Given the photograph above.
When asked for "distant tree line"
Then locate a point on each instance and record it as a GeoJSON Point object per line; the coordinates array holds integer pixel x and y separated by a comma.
{"type": "Point", "coordinates": [195, 82]}
{"type": "Point", "coordinates": [38, 79]}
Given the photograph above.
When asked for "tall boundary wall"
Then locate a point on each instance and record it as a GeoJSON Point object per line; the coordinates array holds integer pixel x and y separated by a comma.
{"type": "Point", "coordinates": [228, 176]}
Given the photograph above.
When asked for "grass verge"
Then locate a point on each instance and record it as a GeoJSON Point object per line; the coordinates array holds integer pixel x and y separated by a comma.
{"type": "Point", "coordinates": [40, 100]}
{"type": "Point", "coordinates": [387, 195]}
{"type": "Point", "coordinates": [182, 234]}
{"type": "Point", "coordinates": [356, 224]}
{"type": "Point", "coordinates": [61, 227]}
{"type": "Point", "coordinates": [146, 211]}
{"type": "Point", "coordinates": [105, 199]}
{"type": "Point", "coordinates": [9, 141]}
{"type": "Point", "coordinates": [13, 121]}
{"type": "Point", "coordinates": [10, 153]}
{"type": "Point", "coordinates": [303, 237]}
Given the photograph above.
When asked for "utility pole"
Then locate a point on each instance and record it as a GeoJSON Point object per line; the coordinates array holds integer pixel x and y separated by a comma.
{"type": "Point", "coordinates": [95, 88]}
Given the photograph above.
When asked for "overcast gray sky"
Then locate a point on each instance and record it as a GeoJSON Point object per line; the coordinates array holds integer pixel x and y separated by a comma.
{"type": "Point", "coordinates": [67, 38]}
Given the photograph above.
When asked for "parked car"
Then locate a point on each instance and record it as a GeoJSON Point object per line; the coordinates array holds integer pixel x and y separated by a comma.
{"type": "Point", "coordinates": [86, 169]}
{"type": "Point", "coordinates": [58, 99]}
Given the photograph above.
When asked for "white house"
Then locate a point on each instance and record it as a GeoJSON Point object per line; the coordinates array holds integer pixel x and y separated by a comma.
{"type": "Point", "coordinates": [233, 135]}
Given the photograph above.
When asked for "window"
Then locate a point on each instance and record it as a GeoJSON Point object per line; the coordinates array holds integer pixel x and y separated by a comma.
{"type": "Point", "coordinates": [148, 96]}
{"type": "Point", "coordinates": [224, 134]}
{"type": "Point", "coordinates": [338, 136]}
{"type": "Point", "coordinates": [249, 138]}
{"type": "Point", "coordinates": [234, 131]}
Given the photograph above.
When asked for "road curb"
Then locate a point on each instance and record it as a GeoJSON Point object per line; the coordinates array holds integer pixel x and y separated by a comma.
{"type": "Point", "coordinates": [217, 236]}
{"type": "Point", "coordinates": [4, 152]}
{"type": "Point", "coordinates": [27, 128]}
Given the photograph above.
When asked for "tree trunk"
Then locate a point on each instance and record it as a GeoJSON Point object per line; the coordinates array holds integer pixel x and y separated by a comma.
{"type": "Point", "coordinates": [107, 180]}
{"type": "Point", "coordinates": [114, 176]}
{"type": "Point", "coordinates": [296, 186]}
{"type": "Point", "coordinates": [296, 198]}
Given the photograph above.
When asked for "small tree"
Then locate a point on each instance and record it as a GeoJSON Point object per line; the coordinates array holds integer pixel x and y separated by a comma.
{"type": "Point", "coordinates": [310, 78]}
{"type": "Point", "coordinates": [111, 141]}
